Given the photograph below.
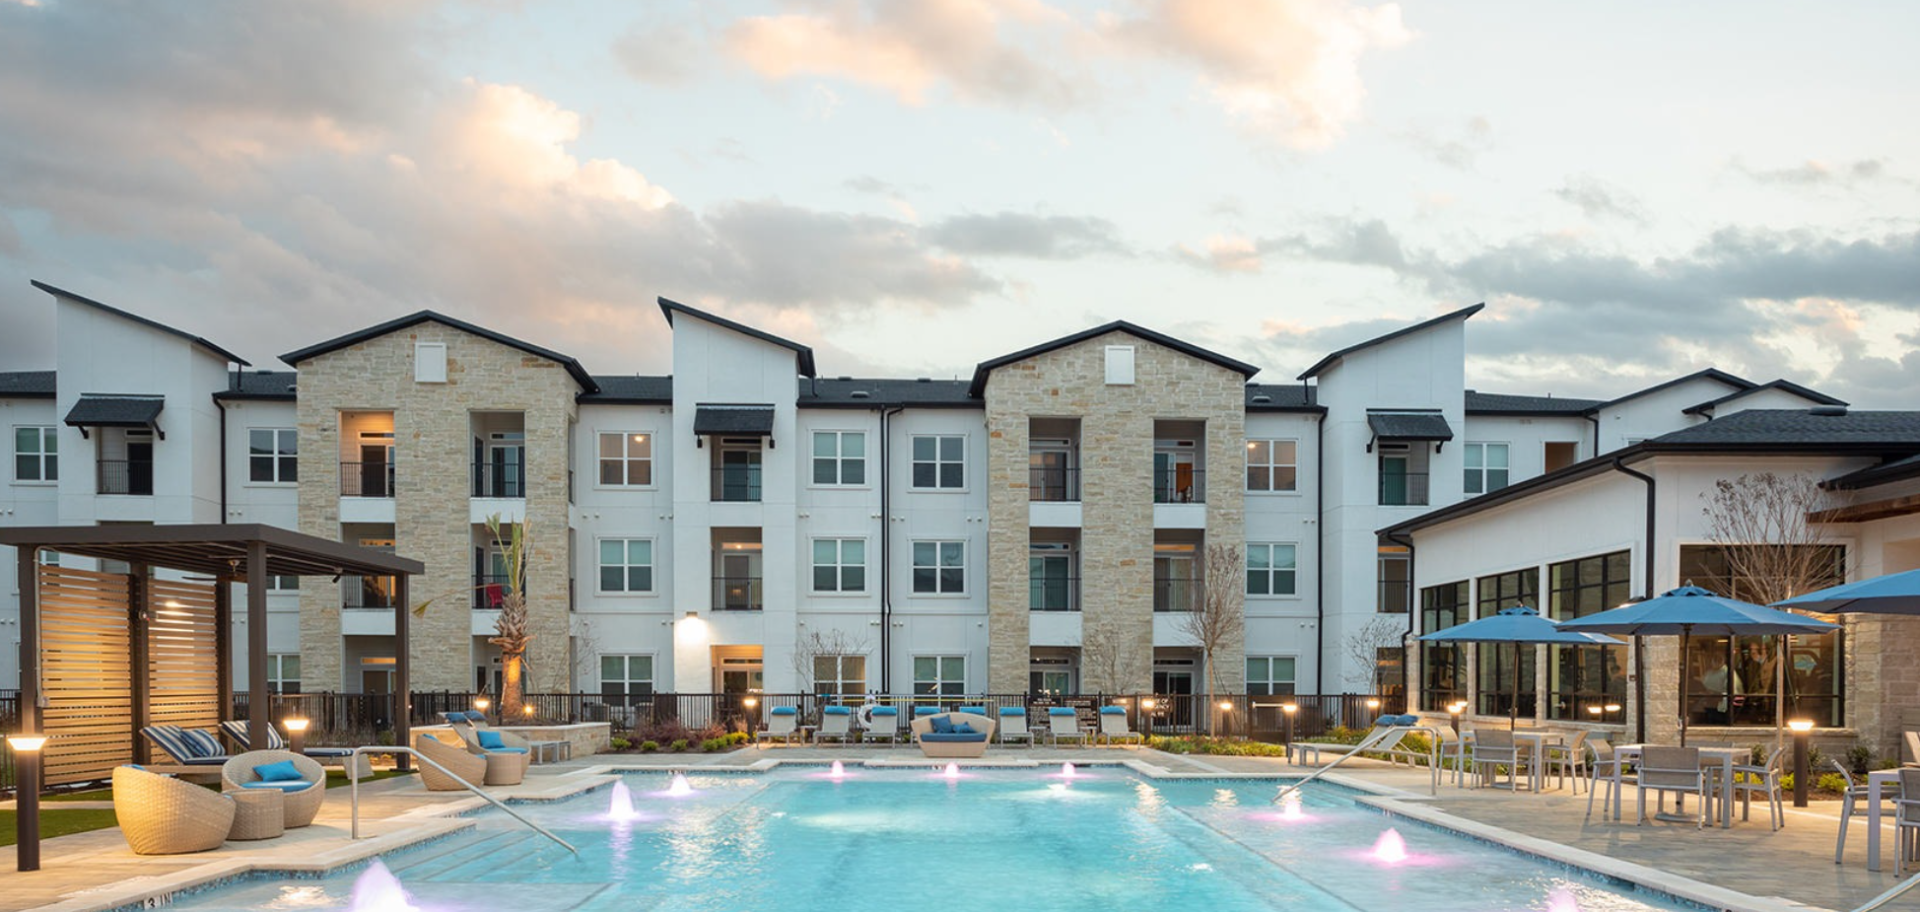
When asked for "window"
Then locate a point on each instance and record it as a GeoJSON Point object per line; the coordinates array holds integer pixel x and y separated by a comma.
{"type": "Point", "coordinates": [1486, 467]}
{"type": "Point", "coordinates": [1119, 365]}
{"type": "Point", "coordinates": [36, 454]}
{"type": "Point", "coordinates": [940, 567]}
{"type": "Point", "coordinates": [626, 460]}
{"type": "Point", "coordinates": [1497, 685]}
{"type": "Point", "coordinates": [623, 677]}
{"type": "Point", "coordinates": [1583, 678]}
{"type": "Point", "coordinates": [839, 675]}
{"type": "Point", "coordinates": [1443, 666]}
{"type": "Point", "coordinates": [1270, 569]}
{"type": "Point", "coordinates": [840, 458]}
{"type": "Point", "coordinates": [1050, 577]}
{"type": "Point", "coordinates": [1736, 680]}
{"type": "Point", "coordinates": [273, 455]}
{"type": "Point", "coordinates": [839, 565]}
{"type": "Point", "coordinates": [1270, 676]}
{"type": "Point", "coordinates": [430, 362]}
{"type": "Point", "coordinates": [939, 462]}
{"type": "Point", "coordinates": [626, 565]}
{"type": "Point", "coordinates": [283, 673]}
{"type": "Point", "coordinates": [1176, 577]}
{"type": "Point", "coordinates": [1396, 580]}
{"type": "Point", "coordinates": [1272, 465]}
{"type": "Point", "coordinates": [942, 676]}
{"type": "Point", "coordinates": [1404, 475]}
{"type": "Point", "coordinates": [283, 583]}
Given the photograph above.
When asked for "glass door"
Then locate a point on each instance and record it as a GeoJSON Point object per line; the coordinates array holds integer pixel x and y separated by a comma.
{"type": "Point", "coordinates": [506, 465]}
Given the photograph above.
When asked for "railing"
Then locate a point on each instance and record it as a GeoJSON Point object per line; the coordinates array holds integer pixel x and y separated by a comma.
{"type": "Point", "coordinates": [1053, 484]}
{"type": "Point", "coordinates": [1053, 593]}
{"type": "Point", "coordinates": [738, 593]}
{"type": "Point", "coordinates": [353, 781]}
{"type": "Point", "coordinates": [490, 591]}
{"type": "Point", "coordinates": [1891, 895]}
{"type": "Point", "coordinates": [1176, 593]}
{"type": "Point", "coordinates": [736, 484]}
{"type": "Point", "coordinates": [366, 479]}
{"type": "Point", "coordinates": [1407, 489]}
{"type": "Point", "coordinates": [493, 479]}
{"type": "Point", "coordinates": [124, 476]}
{"type": "Point", "coordinates": [1179, 484]}
{"type": "Point", "coordinates": [356, 592]}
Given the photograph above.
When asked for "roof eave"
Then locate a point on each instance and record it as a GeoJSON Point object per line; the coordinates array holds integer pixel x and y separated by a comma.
{"type": "Point", "coordinates": [978, 386]}
{"type": "Point", "coordinates": [669, 306]}
{"type": "Point", "coordinates": [573, 367]}
{"type": "Point", "coordinates": [1327, 362]}
{"type": "Point", "coordinates": [144, 321]}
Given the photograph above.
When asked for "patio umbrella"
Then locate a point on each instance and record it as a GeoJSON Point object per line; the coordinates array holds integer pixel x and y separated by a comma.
{"type": "Point", "coordinates": [1689, 610]}
{"type": "Point", "coordinates": [1517, 625]}
{"type": "Point", "coordinates": [1895, 593]}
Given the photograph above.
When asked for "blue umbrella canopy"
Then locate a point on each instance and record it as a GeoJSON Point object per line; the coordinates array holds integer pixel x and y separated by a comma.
{"type": "Point", "coordinates": [1895, 593]}
{"type": "Point", "coordinates": [1519, 624]}
{"type": "Point", "coordinates": [1693, 610]}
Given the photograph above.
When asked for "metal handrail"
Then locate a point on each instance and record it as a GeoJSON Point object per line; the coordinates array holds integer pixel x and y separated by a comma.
{"type": "Point", "coordinates": [1374, 742]}
{"type": "Point", "coordinates": [1890, 895]}
{"type": "Point", "coordinates": [353, 779]}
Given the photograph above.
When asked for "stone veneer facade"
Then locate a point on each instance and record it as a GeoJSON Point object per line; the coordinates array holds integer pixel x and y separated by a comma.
{"type": "Point", "coordinates": [432, 455]}
{"type": "Point", "coordinates": [1116, 491]}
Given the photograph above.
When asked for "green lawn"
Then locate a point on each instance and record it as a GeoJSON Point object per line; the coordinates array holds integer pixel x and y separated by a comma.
{"type": "Point", "coordinates": [58, 822]}
{"type": "Point", "coordinates": [105, 794]}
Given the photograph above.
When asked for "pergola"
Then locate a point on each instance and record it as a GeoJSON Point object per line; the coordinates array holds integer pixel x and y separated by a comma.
{"type": "Point", "coordinates": [74, 625]}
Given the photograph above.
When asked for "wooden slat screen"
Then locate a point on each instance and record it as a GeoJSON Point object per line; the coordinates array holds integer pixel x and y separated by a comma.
{"type": "Point", "coordinates": [183, 675]}
{"type": "Point", "coordinates": [85, 680]}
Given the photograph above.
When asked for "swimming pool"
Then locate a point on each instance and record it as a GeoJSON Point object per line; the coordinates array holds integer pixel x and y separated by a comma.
{"type": "Point", "coordinates": [1106, 839]}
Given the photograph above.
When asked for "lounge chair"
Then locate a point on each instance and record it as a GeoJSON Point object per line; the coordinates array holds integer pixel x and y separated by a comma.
{"type": "Point", "coordinates": [508, 755]}
{"type": "Point", "coordinates": [160, 815]}
{"type": "Point", "coordinates": [975, 710]}
{"type": "Point", "coordinates": [456, 759]}
{"type": "Point", "coordinates": [953, 735]}
{"type": "Point", "coordinates": [1913, 748]}
{"type": "Point", "coordinates": [926, 712]}
{"type": "Point", "coordinates": [343, 757]}
{"type": "Point", "coordinates": [1387, 731]}
{"type": "Point", "coordinates": [1064, 723]}
{"type": "Point", "coordinates": [836, 722]}
{"type": "Point", "coordinates": [1674, 769]}
{"type": "Point", "coordinates": [185, 746]}
{"type": "Point", "coordinates": [301, 780]}
{"type": "Point", "coordinates": [1113, 726]}
{"type": "Point", "coordinates": [1013, 725]}
{"type": "Point", "coordinates": [881, 722]}
{"type": "Point", "coordinates": [783, 722]}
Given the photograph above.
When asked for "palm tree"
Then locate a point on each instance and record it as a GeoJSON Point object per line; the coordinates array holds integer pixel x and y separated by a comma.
{"type": "Point", "coordinates": [511, 631]}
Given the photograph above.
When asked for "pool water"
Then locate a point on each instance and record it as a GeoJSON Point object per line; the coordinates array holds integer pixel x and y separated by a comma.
{"type": "Point", "coordinates": [798, 841]}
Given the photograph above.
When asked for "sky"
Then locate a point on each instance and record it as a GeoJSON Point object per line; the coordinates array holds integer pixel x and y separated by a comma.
{"type": "Point", "coordinates": [1635, 189]}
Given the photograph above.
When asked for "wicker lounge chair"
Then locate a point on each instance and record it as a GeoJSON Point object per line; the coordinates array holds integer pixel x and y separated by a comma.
{"type": "Point", "coordinates": [185, 746]}
{"type": "Point", "coordinates": [343, 757]}
{"type": "Point", "coordinates": [457, 761]}
{"type": "Point", "coordinates": [160, 815]}
{"type": "Point", "coordinates": [1113, 726]}
{"type": "Point", "coordinates": [508, 755]}
{"type": "Point", "coordinates": [940, 741]}
{"type": "Point", "coordinates": [303, 797]}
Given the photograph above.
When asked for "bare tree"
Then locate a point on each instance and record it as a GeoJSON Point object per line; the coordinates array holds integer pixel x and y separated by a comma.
{"type": "Point", "coordinates": [1760, 523]}
{"type": "Point", "coordinates": [1219, 621]}
{"type": "Point", "coordinates": [1382, 631]}
{"type": "Point", "coordinates": [586, 654]}
{"type": "Point", "coordinates": [1109, 661]}
{"type": "Point", "coordinates": [816, 645]}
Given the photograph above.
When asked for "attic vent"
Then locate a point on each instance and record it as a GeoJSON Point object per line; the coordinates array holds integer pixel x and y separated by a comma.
{"type": "Point", "coordinates": [1263, 398]}
{"type": "Point", "coordinates": [1828, 411]}
{"type": "Point", "coordinates": [923, 379]}
{"type": "Point", "coordinates": [843, 378]}
{"type": "Point", "coordinates": [860, 394]}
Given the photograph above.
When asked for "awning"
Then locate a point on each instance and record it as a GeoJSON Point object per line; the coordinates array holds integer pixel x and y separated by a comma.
{"type": "Point", "coordinates": [1408, 426]}
{"type": "Point", "coordinates": [734, 420]}
{"type": "Point", "coordinates": [117, 412]}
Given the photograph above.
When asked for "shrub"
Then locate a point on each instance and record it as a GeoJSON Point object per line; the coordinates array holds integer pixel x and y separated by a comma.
{"type": "Point", "coordinates": [738, 738]}
{"type": "Point", "coordinates": [1234, 747]}
{"type": "Point", "coordinates": [1859, 758]}
{"type": "Point", "coordinates": [679, 744]}
{"type": "Point", "coordinates": [715, 745]}
{"type": "Point", "coordinates": [620, 744]}
{"type": "Point", "coordinates": [648, 747]}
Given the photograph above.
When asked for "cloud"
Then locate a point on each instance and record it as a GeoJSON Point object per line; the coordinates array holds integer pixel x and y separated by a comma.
{"type": "Point", "coordinates": [1598, 199]}
{"type": "Point", "coordinates": [1014, 234]}
{"type": "Point", "coordinates": [1815, 173]}
{"type": "Point", "coordinates": [1455, 149]}
{"type": "Point", "coordinates": [1223, 254]}
{"type": "Point", "coordinates": [659, 54]}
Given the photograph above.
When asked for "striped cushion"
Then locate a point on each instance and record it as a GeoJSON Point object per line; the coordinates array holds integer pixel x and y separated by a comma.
{"type": "Point", "coordinates": [237, 730]}
{"type": "Point", "coordinates": [171, 739]}
{"type": "Point", "coordinates": [202, 744]}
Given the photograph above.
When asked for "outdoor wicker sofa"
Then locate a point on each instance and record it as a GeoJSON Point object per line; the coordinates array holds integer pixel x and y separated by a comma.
{"type": "Point", "coordinates": [455, 758]}
{"type": "Point", "coordinates": [161, 815]}
{"type": "Point", "coordinates": [303, 795]}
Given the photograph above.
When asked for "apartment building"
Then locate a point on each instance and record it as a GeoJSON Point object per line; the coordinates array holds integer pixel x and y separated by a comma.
{"type": "Point", "coordinates": [749, 524]}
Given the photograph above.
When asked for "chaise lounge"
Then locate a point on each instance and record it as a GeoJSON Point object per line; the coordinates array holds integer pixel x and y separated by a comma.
{"type": "Point", "coordinates": [952, 735]}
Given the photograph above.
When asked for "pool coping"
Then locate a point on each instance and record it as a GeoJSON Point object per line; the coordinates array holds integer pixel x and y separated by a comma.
{"type": "Point", "coordinates": [444, 819]}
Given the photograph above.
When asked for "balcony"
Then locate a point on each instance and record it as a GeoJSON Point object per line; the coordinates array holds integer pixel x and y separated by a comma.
{"type": "Point", "coordinates": [500, 480]}
{"type": "Point", "coordinates": [490, 591]}
{"type": "Point", "coordinates": [1179, 484]}
{"type": "Point", "coordinates": [1053, 593]}
{"type": "Point", "coordinates": [738, 593]}
{"type": "Point", "coordinates": [1053, 484]}
{"type": "Point", "coordinates": [1403, 489]}
{"type": "Point", "coordinates": [132, 477]}
{"type": "Point", "coordinates": [366, 479]}
{"type": "Point", "coordinates": [736, 484]}
{"type": "Point", "coordinates": [1176, 593]}
{"type": "Point", "coordinates": [366, 592]}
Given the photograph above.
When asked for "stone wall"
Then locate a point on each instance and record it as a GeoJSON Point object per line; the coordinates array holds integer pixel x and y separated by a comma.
{"type": "Point", "coordinates": [1116, 489]}
{"type": "Point", "coordinates": [433, 452]}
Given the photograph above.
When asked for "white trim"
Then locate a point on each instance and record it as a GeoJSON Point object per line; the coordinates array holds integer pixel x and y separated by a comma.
{"type": "Point", "coordinates": [13, 468]}
{"type": "Point", "coordinates": [1270, 570]}
{"type": "Point", "coordinates": [653, 547]}
{"type": "Point", "coordinates": [866, 567]}
{"type": "Point", "coordinates": [653, 460]}
{"type": "Point", "coordinates": [1269, 465]}
{"type": "Point", "coordinates": [966, 474]}
{"type": "Point", "coordinates": [866, 460]}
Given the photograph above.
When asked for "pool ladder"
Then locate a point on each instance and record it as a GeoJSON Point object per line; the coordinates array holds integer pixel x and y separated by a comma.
{"type": "Point", "coordinates": [353, 777]}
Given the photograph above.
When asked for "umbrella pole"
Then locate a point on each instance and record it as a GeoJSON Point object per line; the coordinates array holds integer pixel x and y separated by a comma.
{"type": "Point", "coordinates": [1780, 692]}
{"type": "Point", "coordinates": [1513, 706]}
{"type": "Point", "coordinates": [1686, 638]}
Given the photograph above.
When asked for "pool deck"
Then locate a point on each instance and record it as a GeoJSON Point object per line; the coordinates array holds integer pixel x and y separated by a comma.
{"type": "Point", "coordinates": [1776, 871]}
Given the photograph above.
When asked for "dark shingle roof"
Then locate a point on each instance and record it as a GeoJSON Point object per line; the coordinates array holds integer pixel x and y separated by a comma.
{"type": "Point", "coordinates": [1711, 373]}
{"type": "Point", "coordinates": [1479, 403]}
{"type": "Point", "coordinates": [669, 308]}
{"type": "Point", "coordinates": [259, 386]}
{"type": "Point", "coordinates": [26, 385]}
{"type": "Point", "coordinates": [190, 337]}
{"type": "Point", "coordinates": [1409, 426]}
{"type": "Point", "coordinates": [1897, 470]}
{"type": "Point", "coordinates": [754, 420]}
{"type": "Point", "coordinates": [116, 411]}
{"type": "Point", "coordinates": [1329, 361]}
{"type": "Point", "coordinates": [634, 390]}
{"type": "Point", "coordinates": [1811, 395]}
{"type": "Point", "coordinates": [979, 384]}
{"type": "Point", "coordinates": [573, 367]}
{"type": "Point", "coordinates": [843, 392]}
{"type": "Point", "coordinates": [1275, 397]}
{"type": "Point", "coordinates": [1798, 429]}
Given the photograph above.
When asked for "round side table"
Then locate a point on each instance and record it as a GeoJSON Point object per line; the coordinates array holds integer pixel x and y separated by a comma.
{"type": "Point", "coordinates": [261, 814]}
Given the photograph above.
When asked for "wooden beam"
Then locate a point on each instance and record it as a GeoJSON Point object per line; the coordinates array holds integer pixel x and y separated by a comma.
{"type": "Point", "coordinates": [223, 641]}
{"type": "Point", "coordinates": [140, 662]}
{"type": "Point", "coordinates": [259, 702]}
{"type": "Point", "coordinates": [1864, 512]}
{"type": "Point", "coordinates": [402, 668]}
{"type": "Point", "coordinates": [29, 639]}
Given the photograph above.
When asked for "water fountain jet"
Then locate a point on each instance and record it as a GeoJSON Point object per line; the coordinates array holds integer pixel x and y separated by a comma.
{"type": "Point", "coordinates": [620, 808]}
{"type": "Point", "coordinates": [952, 771]}
{"type": "Point", "coordinates": [377, 890]}
{"type": "Point", "coordinates": [1562, 900]}
{"type": "Point", "coordinates": [1066, 771]}
{"type": "Point", "coordinates": [1390, 848]}
{"type": "Point", "coordinates": [1290, 807]}
{"type": "Point", "coordinates": [679, 787]}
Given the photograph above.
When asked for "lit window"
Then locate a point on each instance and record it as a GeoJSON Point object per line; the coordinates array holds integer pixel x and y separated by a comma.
{"type": "Point", "coordinates": [626, 459]}
{"type": "Point", "coordinates": [1272, 465]}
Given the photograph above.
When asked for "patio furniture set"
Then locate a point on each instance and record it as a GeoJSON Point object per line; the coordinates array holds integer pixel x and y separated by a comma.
{"type": "Point", "coordinates": [263, 794]}
{"type": "Point", "coordinates": [938, 733]}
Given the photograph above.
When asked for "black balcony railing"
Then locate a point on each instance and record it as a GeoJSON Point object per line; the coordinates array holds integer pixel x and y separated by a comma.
{"type": "Point", "coordinates": [1403, 489]}
{"type": "Point", "coordinates": [1053, 593]}
{"type": "Point", "coordinates": [1176, 593]}
{"type": "Point", "coordinates": [490, 591]}
{"type": "Point", "coordinates": [124, 476]}
{"type": "Point", "coordinates": [736, 484]}
{"type": "Point", "coordinates": [1053, 484]}
{"type": "Point", "coordinates": [737, 593]}
{"type": "Point", "coordinates": [496, 479]}
{"type": "Point", "coordinates": [1180, 484]}
{"type": "Point", "coordinates": [366, 479]}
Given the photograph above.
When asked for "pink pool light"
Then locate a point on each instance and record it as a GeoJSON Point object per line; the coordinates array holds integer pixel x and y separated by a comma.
{"type": "Point", "coordinates": [1290, 807]}
{"type": "Point", "coordinates": [1562, 901]}
{"type": "Point", "coordinates": [377, 890]}
{"type": "Point", "coordinates": [952, 771]}
{"type": "Point", "coordinates": [620, 808]}
{"type": "Point", "coordinates": [837, 771]}
{"type": "Point", "coordinates": [1066, 771]}
{"type": "Point", "coordinates": [679, 787]}
{"type": "Point", "coordinates": [1390, 848]}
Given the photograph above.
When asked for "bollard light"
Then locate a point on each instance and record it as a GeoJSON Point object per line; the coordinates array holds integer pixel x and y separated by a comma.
{"type": "Point", "coordinates": [26, 754]}
{"type": "Point", "coordinates": [481, 704]}
{"type": "Point", "coordinates": [527, 711]}
{"type": "Point", "coordinates": [1453, 715]}
{"type": "Point", "coordinates": [1146, 703]}
{"type": "Point", "coordinates": [1802, 741]}
{"type": "Point", "coordinates": [296, 733]}
{"type": "Point", "coordinates": [1286, 738]}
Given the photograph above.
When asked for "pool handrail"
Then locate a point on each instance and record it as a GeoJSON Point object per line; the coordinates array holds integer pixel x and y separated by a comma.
{"type": "Point", "coordinates": [1890, 895]}
{"type": "Point", "coordinates": [353, 781]}
{"type": "Point", "coordinates": [1376, 740]}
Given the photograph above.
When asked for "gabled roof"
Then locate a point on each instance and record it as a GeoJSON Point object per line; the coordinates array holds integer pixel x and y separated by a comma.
{"type": "Point", "coordinates": [573, 367]}
{"type": "Point", "coordinates": [1785, 386]}
{"type": "Point", "coordinates": [979, 385]}
{"type": "Point", "coordinates": [1276, 397]}
{"type": "Point", "coordinates": [190, 337]}
{"type": "Point", "coordinates": [1479, 403]}
{"type": "Point", "coordinates": [669, 308]}
{"type": "Point", "coordinates": [1712, 373]}
{"type": "Point", "coordinates": [1329, 361]}
{"type": "Point", "coordinates": [268, 386]}
{"type": "Point", "coordinates": [26, 385]}
{"type": "Point", "coordinates": [630, 390]}
{"type": "Point", "coordinates": [846, 392]}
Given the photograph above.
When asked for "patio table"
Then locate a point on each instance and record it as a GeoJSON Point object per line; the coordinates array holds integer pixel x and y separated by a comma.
{"type": "Point", "coordinates": [1537, 741]}
{"type": "Point", "coordinates": [1725, 756]}
{"type": "Point", "coordinates": [1875, 780]}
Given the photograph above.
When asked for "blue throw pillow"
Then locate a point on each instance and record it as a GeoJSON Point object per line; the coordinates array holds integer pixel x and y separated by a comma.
{"type": "Point", "coordinates": [284, 771]}
{"type": "Point", "coordinates": [942, 725]}
{"type": "Point", "coordinates": [964, 729]}
{"type": "Point", "coordinates": [490, 740]}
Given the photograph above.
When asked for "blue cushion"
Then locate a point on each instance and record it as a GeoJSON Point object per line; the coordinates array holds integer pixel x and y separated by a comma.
{"type": "Point", "coordinates": [976, 710]}
{"type": "Point", "coordinates": [885, 711]}
{"type": "Point", "coordinates": [491, 740]}
{"type": "Point", "coordinates": [473, 715]}
{"type": "Point", "coordinates": [329, 752]}
{"type": "Point", "coordinates": [919, 711]}
{"type": "Point", "coordinates": [785, 711]}
{"type": "Point", "coordinates": [1061, 711]}
{"type": "Point", "coordinates": [963, 728]}
{"type": "Point", "coordinates": [1113, 710]}
{"type": "Point", "coordinates": [1386, 720]}
{"type": "Point", "coordinates": [936, 737]}
{"type": "Point", "coordinates": [137, 767]}
{"type": "Point", "coordinates": [838, 711]}
{"type": "Point", "coordinates": [1013, 710]}
{"type": "Point", "coordinates": [284, 771]}
{"type": "Point", "coordinates": [204, 761]}
{"type": "Point", "coordinates": [506, 750]}
{"type": "Point", "coordinates": [1409, 720]}
{"type": "Point", "coordinates": [943, 725]}
{"type": "Point", "coordinates": [298, 785]}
